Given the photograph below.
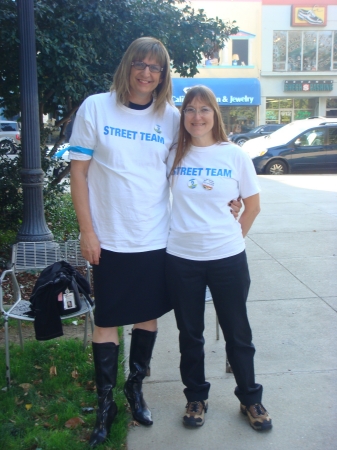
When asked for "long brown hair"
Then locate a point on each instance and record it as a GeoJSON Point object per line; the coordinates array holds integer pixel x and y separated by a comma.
{"type": "Point", "coordinates": [185, 140]}
{"type": "Point", "coordinates": [137, 51]}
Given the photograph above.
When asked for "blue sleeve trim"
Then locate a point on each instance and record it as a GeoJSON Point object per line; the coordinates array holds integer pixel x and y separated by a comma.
{"type": "Point", "coordinates": [86, 151]}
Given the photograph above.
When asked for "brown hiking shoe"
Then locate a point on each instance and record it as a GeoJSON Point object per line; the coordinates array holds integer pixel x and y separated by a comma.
{"type": "Point", "coordinates": [195, 413]}
{"type": "Point", "coordinates": [258, 416]}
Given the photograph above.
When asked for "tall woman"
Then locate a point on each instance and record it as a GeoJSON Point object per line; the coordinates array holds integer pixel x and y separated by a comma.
{"type": "Point", "coordinates": [119, 147]}
{"type": "Point", "coordinates": [206, 247]}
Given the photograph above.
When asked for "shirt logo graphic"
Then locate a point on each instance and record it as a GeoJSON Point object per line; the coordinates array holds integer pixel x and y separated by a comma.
{"type": "Point", "coordinates": [157, 129]}
{"type": "Point", "coordinates": [208, 184]}
{"type": "Point", "coordinates": [192, 184]}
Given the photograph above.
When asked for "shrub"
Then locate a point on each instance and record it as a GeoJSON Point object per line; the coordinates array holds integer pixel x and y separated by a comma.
{"type": "Point", "coordinates": [59, 211]}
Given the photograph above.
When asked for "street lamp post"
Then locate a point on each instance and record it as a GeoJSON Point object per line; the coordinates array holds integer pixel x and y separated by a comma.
{"type": "Point", "coordinates": [34, 227]}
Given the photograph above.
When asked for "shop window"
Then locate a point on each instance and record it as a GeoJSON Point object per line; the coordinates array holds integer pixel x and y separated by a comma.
{"type": "Point", "coordinates": [286, 103]}
{"type": "Point", "coordinates": [302, 114]}
{"type": "Point", "coordinates": [238, 117]}
{"type": "Point", "coordinates": [273, 103]}
{"type": "Point", "coordinates": [272, 110]}
{"type": "Point", "coordinates": [280, 50]}
{"type": "Point", "coordinates": [331, 107]}
{"type": "Point", "coordinates": [240, 52]}
{"type": "Point", "coordinates": [324, 50]}
{"type": "Point", "coordinates": [331, 103]}
{"type": "Point", "coordinates": [285, 110]}
{"type": "Point", "coordinates": [294, 50]}
{"type": "Point", "coordinates": [304, 51]}
{"type": "Point", "coordinates": [309, 51]}
{"type": "Point", "coordinates": [303, 103]}
{"type": "Point", "coordinates": [272, 116]}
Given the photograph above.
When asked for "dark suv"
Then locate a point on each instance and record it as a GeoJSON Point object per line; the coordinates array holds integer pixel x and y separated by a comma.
{"type": "Point", "coordinates": [303, 145]}
{"type": "Point", "coordinates": [261, 130]}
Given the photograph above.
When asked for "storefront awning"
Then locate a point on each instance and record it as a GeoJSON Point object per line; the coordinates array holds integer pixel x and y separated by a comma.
{"type": "Point", "coordinates": [228, 91]}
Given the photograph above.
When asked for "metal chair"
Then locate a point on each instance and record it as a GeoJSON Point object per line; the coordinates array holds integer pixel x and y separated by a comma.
{"type": "Point", "coordinates": [27, 256]}
{"type": "Point", "coordinates": [208, 298]}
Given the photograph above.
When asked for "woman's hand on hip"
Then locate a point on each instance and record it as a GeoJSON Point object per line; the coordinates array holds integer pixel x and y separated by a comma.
{"type": "Point", "coordinates": [235, 206]}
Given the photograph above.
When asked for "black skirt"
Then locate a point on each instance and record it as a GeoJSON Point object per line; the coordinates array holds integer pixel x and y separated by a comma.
{"type": "Point", "coordinates": [130, 288]}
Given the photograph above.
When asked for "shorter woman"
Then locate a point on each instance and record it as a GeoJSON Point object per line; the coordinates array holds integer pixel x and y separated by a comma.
{"type": "Point", "coordinates": [206, 247]}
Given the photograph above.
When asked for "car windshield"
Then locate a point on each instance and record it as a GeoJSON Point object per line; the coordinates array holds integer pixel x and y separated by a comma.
{"type": "Point", "coordinates": [284, 134]}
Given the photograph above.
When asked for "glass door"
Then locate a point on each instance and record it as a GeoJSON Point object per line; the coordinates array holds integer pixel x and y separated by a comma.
{"type": "Point", "coordinates": [286, 117]}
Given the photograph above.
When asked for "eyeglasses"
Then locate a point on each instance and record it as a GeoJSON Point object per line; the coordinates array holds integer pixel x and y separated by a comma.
{"type": "Point", "coordinates": [202, 111]}
{"type": "Point", "coordinates": [140, 65]}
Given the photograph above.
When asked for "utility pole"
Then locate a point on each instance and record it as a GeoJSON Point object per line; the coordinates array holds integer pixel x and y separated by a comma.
{"type": "Point", "coordinates": [34, 227]}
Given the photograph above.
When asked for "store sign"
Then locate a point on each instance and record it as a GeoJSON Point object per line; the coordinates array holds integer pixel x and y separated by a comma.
{"type": "Point", "coordinates": [308, 86]}
{"type": "Point", "coordinates": [228, 91]}
{"type": "Point", "coordinates": [308, 16]}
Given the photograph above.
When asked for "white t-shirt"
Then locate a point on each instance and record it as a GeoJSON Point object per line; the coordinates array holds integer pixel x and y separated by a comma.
{"type": "Point", "coordinates": [202, 227]}
{"type": "Point", "coordinates": [128, 187]}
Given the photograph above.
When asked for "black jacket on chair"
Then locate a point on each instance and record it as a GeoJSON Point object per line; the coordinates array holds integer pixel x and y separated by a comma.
{"type": "Point", "coordinates": [53, 280]}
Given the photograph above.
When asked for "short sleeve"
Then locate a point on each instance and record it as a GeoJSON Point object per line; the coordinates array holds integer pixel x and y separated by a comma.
{"type": "Point", "coordinates": [84, 130]}
{"type": "Point", "coordinates": [249, 182]}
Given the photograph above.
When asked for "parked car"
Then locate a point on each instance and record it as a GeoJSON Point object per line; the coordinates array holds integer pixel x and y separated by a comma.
{"type": "Point", "coordinates": [309, 144]}
{"type": "Point", "coordinates": [10, 136]}
{"type": "Point", "coordinates": [261, 130]}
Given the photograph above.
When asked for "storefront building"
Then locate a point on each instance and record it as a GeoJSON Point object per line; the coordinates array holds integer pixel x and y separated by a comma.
{"type": "Point", "coordinates": [232, 72]}
{"type": "Point", "coordinates": [299, 62]}
{"type": "Point", "coordinates": [288, 49]}
{"type": "Point", "coordinates": [238, 98]}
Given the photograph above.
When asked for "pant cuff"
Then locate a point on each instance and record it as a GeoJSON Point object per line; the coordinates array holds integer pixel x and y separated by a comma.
{"type": "Point", "coordinates": [250, 398]}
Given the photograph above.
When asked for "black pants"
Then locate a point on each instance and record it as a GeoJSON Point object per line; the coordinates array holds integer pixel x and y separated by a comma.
{"type": "Point", "coordinates": [228, 280]}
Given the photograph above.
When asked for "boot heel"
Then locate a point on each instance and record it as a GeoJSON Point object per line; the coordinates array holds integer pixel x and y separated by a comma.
{"type": "Point", "coordinates": [142, 343]}
{"type": "Point", "coordinates": [140, 411]}
{"type": "Point", "coordinates": [103, 425]}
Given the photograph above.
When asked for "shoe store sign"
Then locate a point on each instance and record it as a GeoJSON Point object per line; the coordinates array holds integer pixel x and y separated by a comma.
{"type": "Point", "coordinates": [308, 16]}
{"type": "Point", "coordinates": [308, 86]}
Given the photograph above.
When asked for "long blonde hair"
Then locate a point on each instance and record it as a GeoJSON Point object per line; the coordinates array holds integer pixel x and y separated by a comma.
{"type": "Point", "coordinates": [137, 51]}
{"type": "Point", "coordinates": [185, 139]}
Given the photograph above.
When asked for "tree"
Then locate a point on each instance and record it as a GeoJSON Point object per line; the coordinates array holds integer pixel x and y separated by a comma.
{"type": "Point", "coordinates": [80, 43]}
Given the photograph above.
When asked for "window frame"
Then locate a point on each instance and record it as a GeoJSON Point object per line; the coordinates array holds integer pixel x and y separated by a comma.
{"type": "Point", "coordinates": [288, 64]}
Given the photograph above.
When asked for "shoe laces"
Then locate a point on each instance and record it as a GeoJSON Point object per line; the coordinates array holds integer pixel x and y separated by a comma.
{"type": "Point", "coordinates": [193, 407]}
{"type": "Point", "coordinates": [259, 408]}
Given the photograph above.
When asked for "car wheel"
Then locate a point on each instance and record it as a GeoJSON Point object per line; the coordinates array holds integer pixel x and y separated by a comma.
{"type": "Point", "coordinates": [6, 147]}
{"type": "Point", "coordinates": [241, 141]}
{"type": "Point", "coordinates": [276, 167]}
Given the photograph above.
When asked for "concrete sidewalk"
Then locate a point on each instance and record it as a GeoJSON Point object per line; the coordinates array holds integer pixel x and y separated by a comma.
{"type": "Point", "coordinates": [292, 305]}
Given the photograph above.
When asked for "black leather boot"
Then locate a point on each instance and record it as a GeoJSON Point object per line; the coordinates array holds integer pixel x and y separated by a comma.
{"type": "Point", "coordinates": [142, 344]}
{"type": "Point", "coordinates": [106, 365]}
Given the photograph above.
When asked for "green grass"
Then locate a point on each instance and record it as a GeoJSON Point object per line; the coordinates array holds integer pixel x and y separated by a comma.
{"type": "Point", "coordinates": [53, 399]}
{"type": "Point", "coordinates": [33, 417]}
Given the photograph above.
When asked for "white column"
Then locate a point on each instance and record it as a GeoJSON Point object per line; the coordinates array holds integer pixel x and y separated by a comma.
{"type": "Point", "coordinates": [262, 112]}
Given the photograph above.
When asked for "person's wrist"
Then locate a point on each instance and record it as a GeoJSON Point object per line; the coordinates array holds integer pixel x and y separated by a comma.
{"type": "Point", "coordinates": [87, 232]}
